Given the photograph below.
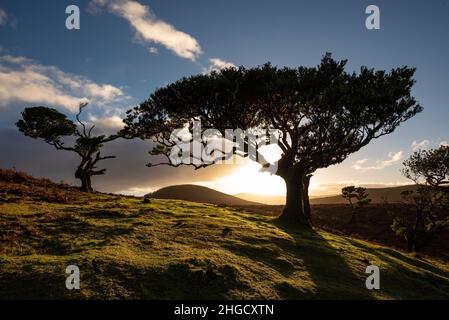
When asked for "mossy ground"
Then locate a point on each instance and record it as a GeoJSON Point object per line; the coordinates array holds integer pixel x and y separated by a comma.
{"type": "Point", "coordinates": [127, 249]}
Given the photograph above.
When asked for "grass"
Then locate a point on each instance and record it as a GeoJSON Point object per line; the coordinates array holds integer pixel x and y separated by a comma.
{"type": "Point", "coordinates": [126, 249]}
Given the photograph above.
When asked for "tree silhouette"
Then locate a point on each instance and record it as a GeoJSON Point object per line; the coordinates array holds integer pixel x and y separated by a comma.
{"type": "Point", "coordinates": [52, 126]}
{"type": "Point", "coordinates": [322, 115]}
{"type": "Point", "coordinates": [358, 194]}
{"type": "Point", "coordinates": [429, 169]}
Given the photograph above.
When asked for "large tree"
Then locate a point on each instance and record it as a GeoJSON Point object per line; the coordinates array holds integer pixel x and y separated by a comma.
{"type": "Point", "coordinates": [322, 114]}
{"type": "Point", "coordinates": [52, 126]}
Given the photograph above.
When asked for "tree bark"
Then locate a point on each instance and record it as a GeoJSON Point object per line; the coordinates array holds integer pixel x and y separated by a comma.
{"type": "Point", "coordinates": [293, 212]}
{"type": "Point", "coordinates": [305, 197]}
{"type": "Point", "coordinates": [83, 174]}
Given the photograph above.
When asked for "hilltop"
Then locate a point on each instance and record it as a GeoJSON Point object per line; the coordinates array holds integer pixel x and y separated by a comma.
{"type": "Point", "coordinates": [195, 193]}
{"type": "Point", "coordinates": [172, 249]}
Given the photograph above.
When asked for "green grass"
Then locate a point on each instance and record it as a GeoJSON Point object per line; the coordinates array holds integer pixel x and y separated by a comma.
{"type": "Point", "coordinates": [179, 250]}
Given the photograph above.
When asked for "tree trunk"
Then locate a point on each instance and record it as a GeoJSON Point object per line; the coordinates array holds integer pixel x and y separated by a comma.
{"type": "Point", "coordinates": [294, 210]}
{"type": "Point", "coordinates": [83, 174]}
{"type": "Point", "coordinates": [305, 197]}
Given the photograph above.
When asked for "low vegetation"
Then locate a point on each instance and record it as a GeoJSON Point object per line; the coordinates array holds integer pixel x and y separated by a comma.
{"type": "Point", "coordinates": [170, 249]}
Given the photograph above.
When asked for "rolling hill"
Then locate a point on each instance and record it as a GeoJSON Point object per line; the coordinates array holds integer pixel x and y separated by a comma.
{"type": "Point", "coordinates": [172, 249]}
{"type": "Point", "coordinates": [378, 195]}
{"type": "Point", "coordinates": [195, 193]}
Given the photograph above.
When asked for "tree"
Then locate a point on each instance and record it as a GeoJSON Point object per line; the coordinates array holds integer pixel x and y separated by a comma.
{"type": "Point", "coordinates": [357, 193]}
{"type": "Point", "coordinates": [429, 169]}
{"type": "Point", "coordinates": [322, 114]}
{"type": "Point", "coordinates": [52, 126]}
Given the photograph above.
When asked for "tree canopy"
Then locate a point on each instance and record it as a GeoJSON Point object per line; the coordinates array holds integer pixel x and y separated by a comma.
{"type": "Point", "coordinates": [52, 126]}
{"type": "Point", "coordinates": [322, 114]}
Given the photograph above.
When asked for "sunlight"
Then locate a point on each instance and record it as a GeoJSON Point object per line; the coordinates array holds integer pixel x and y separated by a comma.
{"type": "Point", "coordinates": [248, 179]}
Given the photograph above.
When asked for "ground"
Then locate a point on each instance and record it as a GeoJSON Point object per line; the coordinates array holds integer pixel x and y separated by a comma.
{"type": "Point", "coordinates": [169, 249]}
{"type": "Point", "coordinates": [372, 223]}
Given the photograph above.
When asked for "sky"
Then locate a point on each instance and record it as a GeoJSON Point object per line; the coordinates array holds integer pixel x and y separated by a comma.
{"type": "Point", "coordinates": [125, 49]}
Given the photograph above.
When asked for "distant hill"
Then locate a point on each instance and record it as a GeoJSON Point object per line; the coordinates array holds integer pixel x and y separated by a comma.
{"type": "Point", "coordinates": [391, 194]}
{"type": "Point", "coordinates": [377, 195]}
{"type": "Point", "coordinates": [173, 250]}
{"type": "Point", "coordinates": [270, 200]}
{"type": "Point", "coordinates": [195, 193]}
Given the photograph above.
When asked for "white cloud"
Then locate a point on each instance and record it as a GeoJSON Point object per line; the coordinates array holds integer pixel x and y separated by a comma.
{"type": "Point", "coordinates": [393, 157]}
{"type": "Point", "coordinates": [216, 64]}
{"type": "Point", "coordinates": [3, 17]}
{"type": "Point", "coordinates": [24, 80]}
{"type": "Point", "coordinates": [112, 122]}
{"type": "Point", "coordinates": [153, 50]}
{"type": "Point", "coordinates": [444, 143]}
{"type": "Point", "coordinates": [149, 28]}
{"type": "Point", "coordinates": [420, 145]}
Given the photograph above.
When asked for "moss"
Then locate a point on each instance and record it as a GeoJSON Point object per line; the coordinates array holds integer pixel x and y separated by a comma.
{"type": "Point", "coordinates": [179, 250]}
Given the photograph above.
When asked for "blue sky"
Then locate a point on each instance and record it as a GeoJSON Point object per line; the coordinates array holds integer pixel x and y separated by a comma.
{"type": "Point", "coordinates": [112, 58]}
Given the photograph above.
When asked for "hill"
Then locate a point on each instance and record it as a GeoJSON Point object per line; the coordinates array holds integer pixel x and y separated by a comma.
{"type": "Point", "coordinates": [195, 193]}
{"type": "Point", "coordinates": [263, 199]}
{"type": "Point", "coordinates": [378, 195]}
{"type": "Point", "coordinates": [171, 249]}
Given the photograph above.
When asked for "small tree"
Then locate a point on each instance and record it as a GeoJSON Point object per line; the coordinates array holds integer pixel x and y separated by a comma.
{"type": "Point", "coordinates": [429, 169]}
{"type": "Point", "coordinates": [52, 126]}
{"type": "Point", "coordinates": [351, 193]}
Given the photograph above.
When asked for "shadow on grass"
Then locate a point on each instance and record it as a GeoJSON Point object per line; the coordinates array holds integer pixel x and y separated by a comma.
{"type": "Point", "coordinates": [409, 278]}
{"type": "Point", "coordinates": [328, 269]}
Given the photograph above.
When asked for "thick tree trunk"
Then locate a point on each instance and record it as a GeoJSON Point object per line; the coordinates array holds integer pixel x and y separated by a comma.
{"type": "Point", "coordinates": [84, 176]}
{"type": "Point", "coordinates": [87, 183]}
{"type": "Point", "coordinates": [293, 212]}
{"type": "Point", "coordinates": [305, 197]}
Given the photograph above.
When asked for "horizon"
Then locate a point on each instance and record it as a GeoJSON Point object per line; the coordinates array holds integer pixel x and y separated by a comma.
{"type": "Point", "coordinates": [115, 61]}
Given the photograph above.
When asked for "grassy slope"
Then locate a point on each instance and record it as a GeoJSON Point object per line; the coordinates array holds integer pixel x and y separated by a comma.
{"type": "Point", "coordinates": [181, 250]}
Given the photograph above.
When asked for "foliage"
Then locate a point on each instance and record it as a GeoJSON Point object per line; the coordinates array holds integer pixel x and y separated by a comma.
{"type": "Point", "coordinates": [321, 114]}
{"type": "Point", "coordinates": [52, 126]}
{"type": "Point", "coordinates": [45, 123]}
{"type": "Point", "coordinates": [429, 169]}
{"type": "Point", "coordinates": [359, 195]}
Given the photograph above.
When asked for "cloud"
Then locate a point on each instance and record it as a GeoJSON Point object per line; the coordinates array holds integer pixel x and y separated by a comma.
{"type": "Point", "coordinates": [127, 173]}
{"type": "Point", "coordinates": [420, 145]}
{"type": "Point", "coordinates": [153, 50]}
{"type": "Point", "coordinates": [149, 28]}
{"type": "Point", "coordinates": [444, 143]}
{"type": "Point", "coordinates": [24, 80]}
{"type": "Point", "coordinates": [216, 64]}
{"type": "Point", "coordinates": [3, 17]}
{"type": "Point", "coordinates": [112, 122]}
{"type": "Point", "coordinates": [393, 157]}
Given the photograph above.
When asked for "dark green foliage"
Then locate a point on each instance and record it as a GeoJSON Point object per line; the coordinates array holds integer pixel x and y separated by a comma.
{"type": "Point", "coordinates": [45, 123]}
{"type": "Point", "coordinates": [322, 114]}
{"type": "Point", "coordinates": [351, 193]}
{"type": "Point", "coordinates": [52, 126]}
{"type": "Point", "coordinates": [429, 169]}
